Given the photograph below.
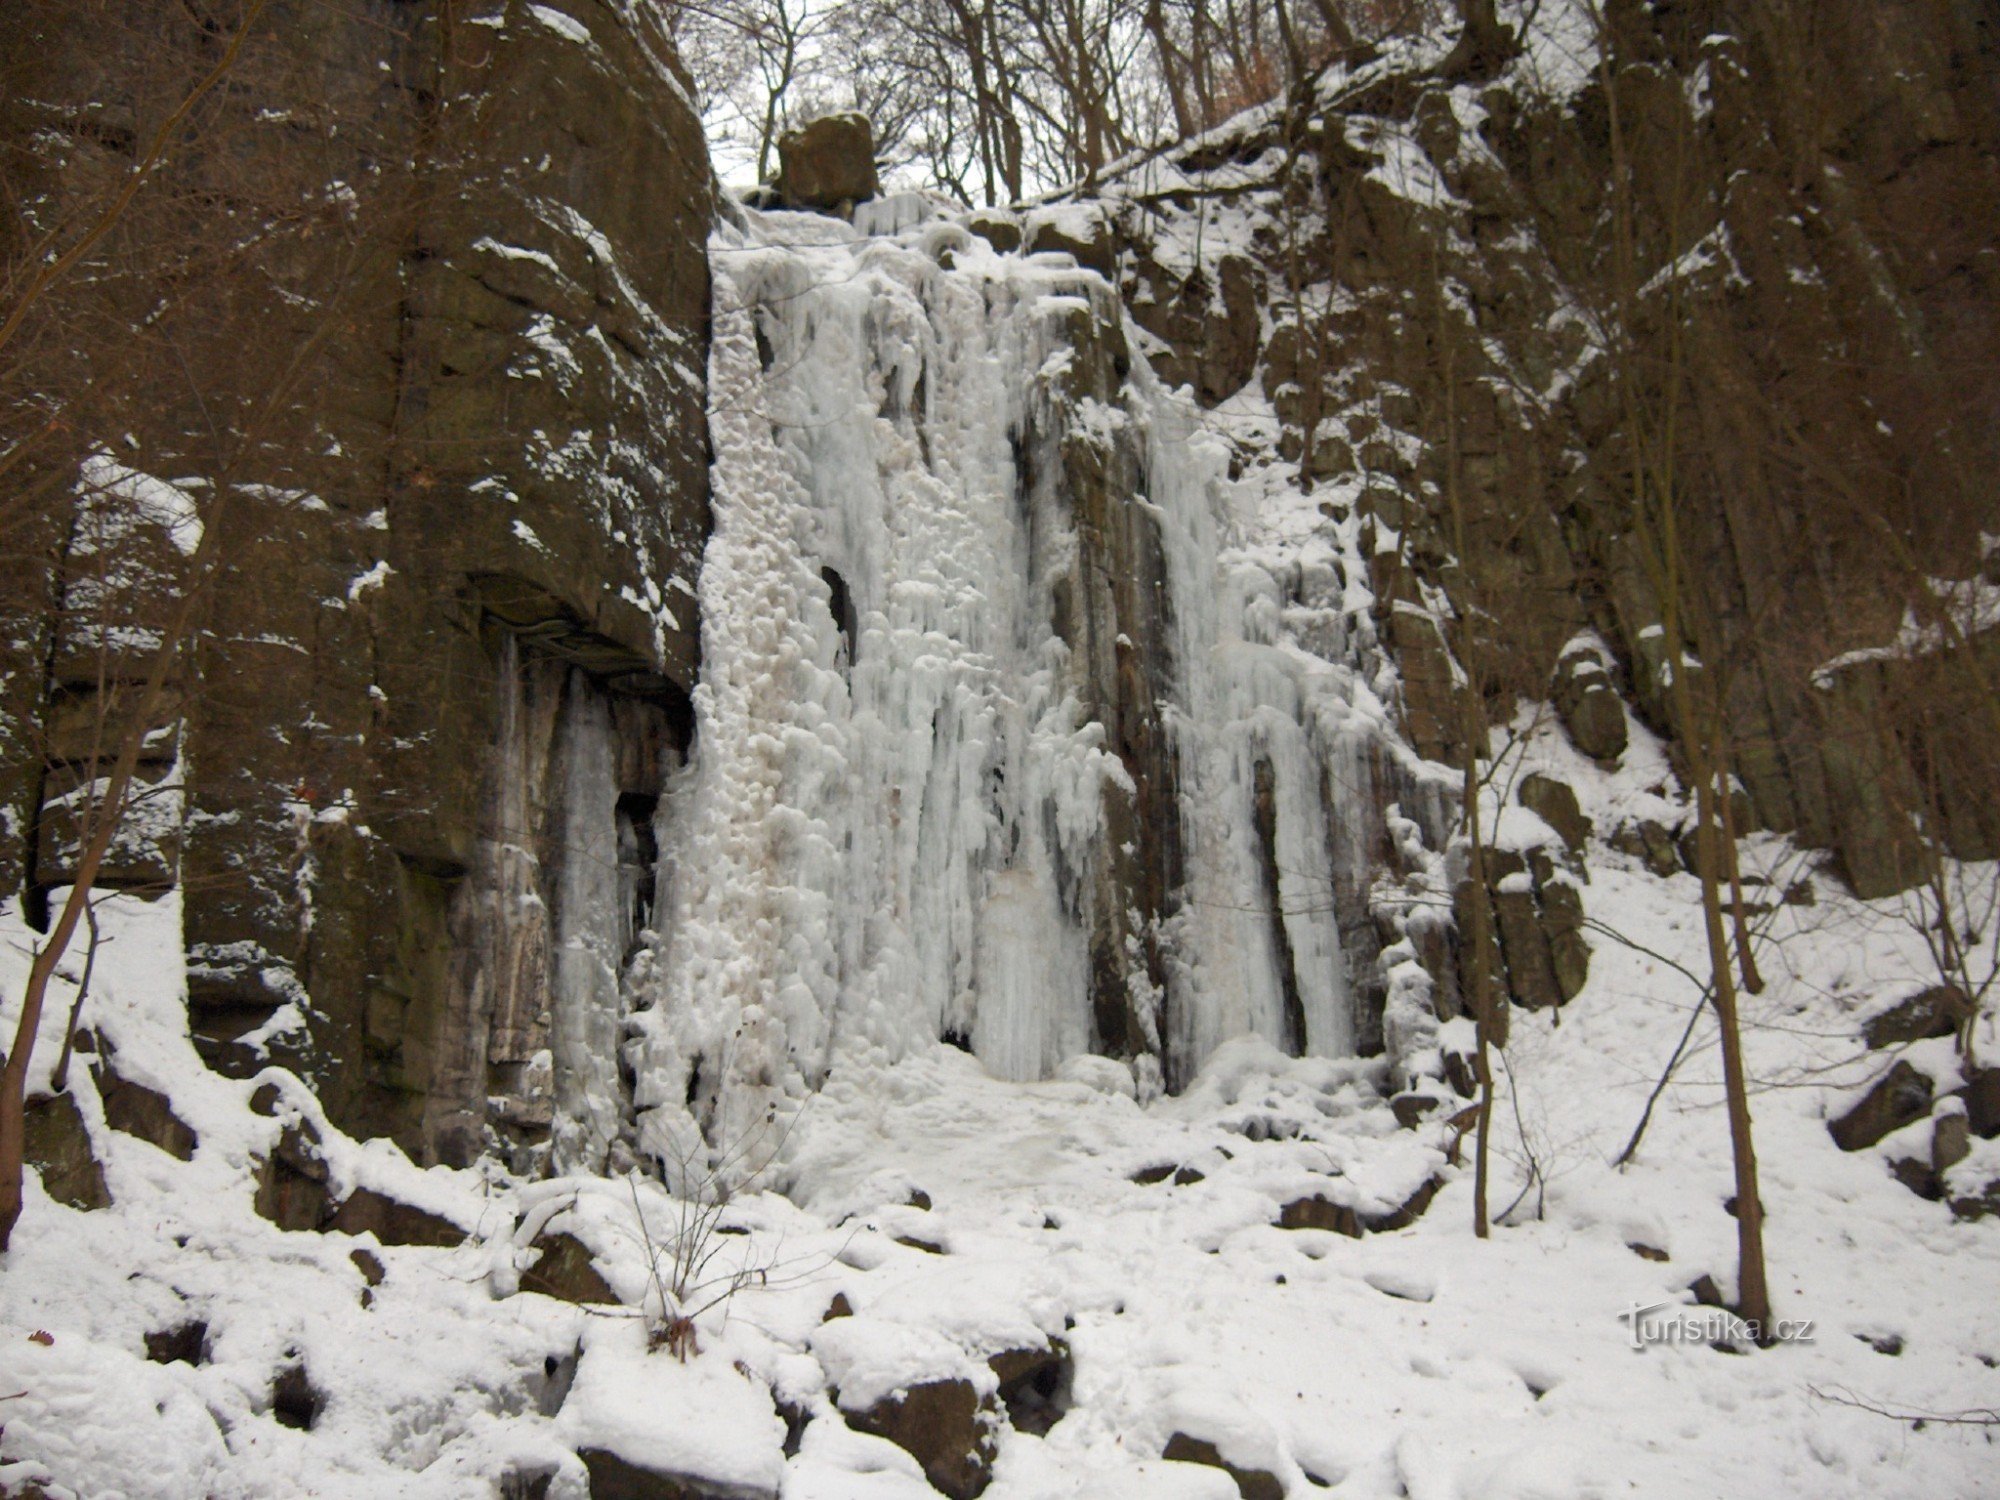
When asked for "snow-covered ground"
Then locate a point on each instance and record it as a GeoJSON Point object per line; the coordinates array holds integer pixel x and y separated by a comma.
{"type": "Point", "coordinates": [1415, 1362]}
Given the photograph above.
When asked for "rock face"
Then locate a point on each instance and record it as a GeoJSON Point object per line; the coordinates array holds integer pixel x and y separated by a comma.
{"type": "Point", "coordinates": [449, 638]}
{"type": "Point", "coordinates": [1865, 233]}
{"type": "Point", "coordinates": [828, 164]}
{"type": "Point", "coordinates": [1540, 957]}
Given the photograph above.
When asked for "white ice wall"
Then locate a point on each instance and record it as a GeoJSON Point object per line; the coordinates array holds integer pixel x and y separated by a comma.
{"type": "Point", "coordinates": [873, 852]}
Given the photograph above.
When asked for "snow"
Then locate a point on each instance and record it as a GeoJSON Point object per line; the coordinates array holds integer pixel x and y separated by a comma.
{"type": "Point", "coordinates": [565, 26]}
{"type": "Point", "coordinates": [1418, 1362]}
{"type": "Point", "coordinates": [120, 497]}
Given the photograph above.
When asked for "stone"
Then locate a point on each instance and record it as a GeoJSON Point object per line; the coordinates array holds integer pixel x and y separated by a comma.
{"type": "Point", "coordinates": [1651, 844]}
{"type": "Point", "coordinates": [828, 163]}
{"type": "Point", "coordinates": [1034, 1385]}
{"type": "Point", "coordinates": [137, 1110]}
{"type": "Point", "coordinates": [1982, 1102]}
{"type": "Point", "coordinates": [1320, 1212]}
{"type": "Point", "coordinates": [1899, 1097]}
{"type": "Point", "coordinates": [998, 228]}
{"type": "Point", "coordinates": [1951, 1141]}
{"type": "Point", "coordinates": [566, 1272]}
{"type": "Point", "coordinates": [1430, 695]}
{"type": "Point", "coordinates": [392, 1222]}
{"type": "Point", "coordinates": [527, 1484]}
{"type": "Point", "coordinates": [369, 1264]}
{"type": "Point", "coordinates": [1251, 1484]}
{"type": "Point", "coordinates": [1559, 909]}
{"type": "Point", "coordinates": [1587, 703]}
{"type": "Point", "coordinates": [1935, 1012]}
{"type": "Point", "coordinates": [57, 1146]}
{"type": "Point", "coordinates": [1411, 1109]}
{"type": "Point", "coordinates": [292, 1181]}
{"type": "Point", "coordinates": [616, 1478]}
{"type": "Point", "coordinates": [1406, 1213]}
{"type": "Point", "coordinates": [1554, 802]}
{"type": "Point", "coordinates": [294, 1192]}
{"type": "Point", "coordinates": [1530, 971]}
{"type": "Point", "coordinates": [184, 1343]}
{"type": "Point", "coordinates": [1980, 1205]}
{"type": "Point", "coordinates": [943, 1425]}
{"type": "Point", "coordinates": [1084, 233]}
{"type": "Point", "coordinates": [295, 1400]}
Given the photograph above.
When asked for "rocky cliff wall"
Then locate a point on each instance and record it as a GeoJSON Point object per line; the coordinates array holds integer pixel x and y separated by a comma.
{"type": "Point", "coordinates": [417, 310]}
{"type": "Point", "coordinates": [1747, 252]}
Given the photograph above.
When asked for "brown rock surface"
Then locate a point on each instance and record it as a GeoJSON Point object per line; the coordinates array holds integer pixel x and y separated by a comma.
{"type": "Point", "coordinates": [475, 505]}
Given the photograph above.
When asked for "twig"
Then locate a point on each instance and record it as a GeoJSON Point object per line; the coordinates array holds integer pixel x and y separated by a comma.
{"type": "Point", "coordinates": [61, 1076]}
{"type": "Point", "coordinates": [1976, 1416]}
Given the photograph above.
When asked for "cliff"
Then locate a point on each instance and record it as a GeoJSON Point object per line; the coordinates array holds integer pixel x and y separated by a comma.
{"type": "Point", "coordinates": [415, 308]}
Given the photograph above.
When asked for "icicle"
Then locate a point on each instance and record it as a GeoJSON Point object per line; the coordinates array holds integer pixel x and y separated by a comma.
{"type": "Point", "coordinates": [585, 1002]}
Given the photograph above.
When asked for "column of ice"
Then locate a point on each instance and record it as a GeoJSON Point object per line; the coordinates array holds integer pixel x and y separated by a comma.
{"type": "Point", "coordinates": [587, 1010]}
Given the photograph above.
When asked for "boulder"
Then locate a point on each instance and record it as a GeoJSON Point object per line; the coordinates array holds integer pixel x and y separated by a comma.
{"type": "Point", "coordinates": [1586, 702]}
{"type": "Point", "coordinates": [184, 1343]}
{"type": "Point", "coordinates": [1410, 1109]}
{"type": "Point", "coordinates": [294, 1192]}
{"type": "Point", "coordinates": [1531, 971]}
{"type": "Point", "coordinates": [565, 1271]}
{"type": "Point", "coordinates": [1899, 1097]}
{"type": "Point", "coordinates": [616, 1478]}
{"type": "Point", "coordinates": [944, 1426]}
{"type": "Point", "coordinates": [292, 1187]}
{"type": "Point", "coordinates": [1318, 1212]}
{"type": "Point", "coordinates": [1651, 844]}
{"type": "Point", "coordinates": [1034, 1385]}
{"type": "Point", "coordinates": [57, 1146]}
{"type": "Point", "coordinates": [144, 1112]}
{"type": "Point", "coordinates": [998, 228]}
{"type": "Point", "coordinates": [1554, 802]}
{"type": "Point", "coordinates": [1982, 1102]}
{"type": "Point", "coordinates": [1406, 1213]}
{"type": "Point", "coordinates": [1559, 908]}
{"type": "Point", "coordinates": [295, 1400]}
{"type": "Point", "coordinates": [1082, 233]}
{"type": "Point", "coordinates": [1937, 1011]}
{"type": "Point", "coordinates": [391, 1221]}
{"type": "Point", "coordinates": [1951, 1143]}
{"type": "Point", "coordinates": [828, 164]}
{"type": "Point", "coordinates": [1251, 1484]}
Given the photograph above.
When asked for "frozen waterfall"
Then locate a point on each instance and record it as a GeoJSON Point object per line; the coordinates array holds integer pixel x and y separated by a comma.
{"type": "Point", "coordinates": [1002, 737]}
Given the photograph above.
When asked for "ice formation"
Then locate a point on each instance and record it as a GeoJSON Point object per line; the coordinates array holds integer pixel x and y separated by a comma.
{"type": "Point", "coordinates": [1003, 737]}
